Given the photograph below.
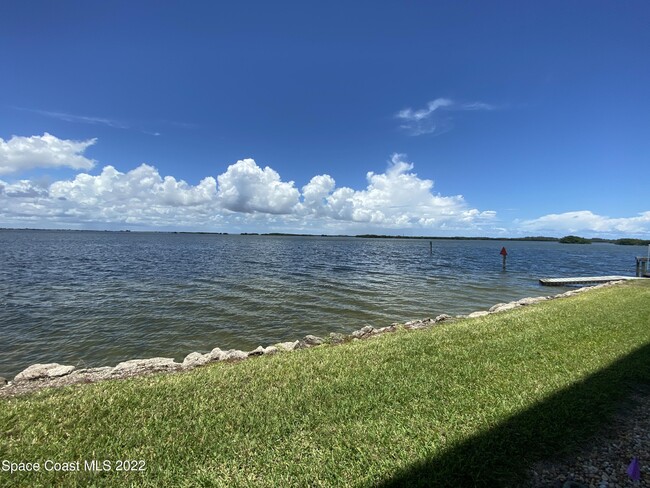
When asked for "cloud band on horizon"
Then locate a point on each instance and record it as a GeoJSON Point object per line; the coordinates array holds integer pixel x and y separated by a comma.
{"type": "Point", "coordinates": [245, 192]}
{"type": "Point", "coordinates": [246, 196]}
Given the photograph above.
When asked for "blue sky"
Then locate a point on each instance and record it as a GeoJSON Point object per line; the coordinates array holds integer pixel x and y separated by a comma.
{"type": "Point", "coordinates": [473, 118]}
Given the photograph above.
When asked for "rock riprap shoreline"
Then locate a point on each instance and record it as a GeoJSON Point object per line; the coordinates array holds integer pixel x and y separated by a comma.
{"type": "Point", "coordinates": [39, 376]}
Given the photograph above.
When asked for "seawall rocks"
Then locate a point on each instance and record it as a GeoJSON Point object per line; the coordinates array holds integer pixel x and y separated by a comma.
{"type": "Point", "coordinates": [139, 366]}
{"type": "Point", "coordinates": [194, 359]}
{"type": "Point", "coordinates": [50, 370]}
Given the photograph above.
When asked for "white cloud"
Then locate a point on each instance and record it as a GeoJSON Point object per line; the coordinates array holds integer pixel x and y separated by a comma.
{"type": "Point", "coordinates": [316, 192]}
{"type": "Point", "coordinates": [140, 196]}
{"type": "Point", "coordinates": [418, 122]}
{"type": "Point", "coordinates": [144, 127]}
{"type": "Point", "coordinates": [23, 188]}
{"type": "Point", "coordinates": [394, 199]}
{"type": "Point", "coordinates": [244, 197]}
{"type": "Point", "coordinates": [417, 115]}
{"type": "Point", "coordinates": [141, 186]}
{"type": "Point", "coordinates": [429, 120]}
{"type": "Point", "coordinates": [587, 221]}
{"type": "Point", "coordinates": [477, 106]}
{"type": "Point", "coordinates": [83, 119]}
{"type": "Point", "coordinates": [247, 188]}
{"type": "Point", "coordinates": [46, 151]}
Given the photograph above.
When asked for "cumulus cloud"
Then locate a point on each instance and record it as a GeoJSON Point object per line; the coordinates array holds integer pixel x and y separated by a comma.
{"type": "Point", "coordinates": [397, 198]}
{"type": "Point", "coordinates": [140, 196]}
{"type": "Point", "coordinates": [244, 195]}
{"type": "Point", "coordinates": [315, 193]}
{"type": "Point", "coordinates": [435, 118]}
{"type": "Point", "coordinates": [46, 151]}
{"type": "Point", "coordinates": [143, 185]}
{"type": "Point", "coordinates": [587, 221]}
{"type": "Point", "coordinates": [23, 188]}
{"type": "Point", "coordinates": [247, 188]}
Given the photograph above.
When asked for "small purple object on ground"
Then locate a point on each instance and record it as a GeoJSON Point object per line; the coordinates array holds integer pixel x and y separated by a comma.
{"type": "Point", "coordinates": [633, 470]}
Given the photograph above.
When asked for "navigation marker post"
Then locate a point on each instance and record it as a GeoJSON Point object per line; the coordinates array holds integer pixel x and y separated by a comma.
{"type": "Point", "coordinates": [504, 253]}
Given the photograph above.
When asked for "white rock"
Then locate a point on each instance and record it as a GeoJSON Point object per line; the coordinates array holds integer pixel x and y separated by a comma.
{"type": "Point", "coordinates": [530, 300]}
{"type": "Point", "coordinates": [217, 354]}
{"type": "Point", "coordinates": [442, 317]}
{"type": "Point", "coordinates": [139, 366]}
{"type": "Point", "coordinates": [502, 307]}
{"type": "Point", "coordinates": [258, 351]}
{"type": "Point", "coordinates": [480, 313]}
{"type": "Point", "coordinates": [49, 370]}
{"type": "Point", "coordinates": [235, 354]}
{"type": "Point", "coordinates": [288, 346]}
{"type": "Point", "coordinates": [194, 359]}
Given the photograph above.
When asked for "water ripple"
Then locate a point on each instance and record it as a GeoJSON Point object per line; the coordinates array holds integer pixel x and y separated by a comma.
{"type": "Point", "coordinates": [97, 298]}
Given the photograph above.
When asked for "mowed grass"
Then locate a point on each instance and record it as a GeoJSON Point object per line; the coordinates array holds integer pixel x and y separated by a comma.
{"type": "Point", "coordinates": [466, 403]}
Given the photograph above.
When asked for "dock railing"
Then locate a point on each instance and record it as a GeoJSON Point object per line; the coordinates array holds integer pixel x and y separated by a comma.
{"type": "Point", "coordinates": [642, 266]}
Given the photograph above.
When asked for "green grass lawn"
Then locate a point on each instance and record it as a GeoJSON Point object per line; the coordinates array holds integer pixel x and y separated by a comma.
{"type": "Point", "coordinates": [472, 402]}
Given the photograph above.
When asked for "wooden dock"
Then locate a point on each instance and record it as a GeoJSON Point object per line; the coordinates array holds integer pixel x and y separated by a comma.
{"type": "Point", "coordinates": [584, 280]}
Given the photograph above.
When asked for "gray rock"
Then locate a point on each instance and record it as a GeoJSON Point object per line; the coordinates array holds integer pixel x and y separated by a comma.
{"type": "Point", "coordinates": [3, 381]}
{"type": "Point", "coordinates": [364, 332]}
{"type": "Point", "coordinates": [480, 313]}
{"type": "Point", "coordinates": [235, 355]}
{"type": "Point", "coordinates": [442, 317]}
{"type": "Point", "coordinates": [262, 351]}
{"type": "Point", "coordinates": [312, 340]}
{"type": "Point", "coordinates": [502, 307]}
{"type": "Point", "coordinates": [140, 366]}
{"type": "Point", "coordinates": [567, 294]}
{"type": "Point", "coordinates": [411, 323]}
{"type": "Point", "coordinates": [194, 359]}
{"type": "Point", "coordinates": [258, 351]}
{"type": "Point", "coordinates": [530, 300]}
{"type": "Point", "coordinates": [419, 324]}
{"type": "Point", "coordinates": [86, 371]}
{"type": "Point", "coordinates": [288, 346]}
{"type": "Point", "coordinates": [92, 374]}
{"type": "Point", "coordinates": [384, 330]}
{"type": "Point", "coordinates": [217, 354]}
{"type": "Point", "coordinates": [50, 370]}
{"type": "Point", "coordinates": [336, 338]}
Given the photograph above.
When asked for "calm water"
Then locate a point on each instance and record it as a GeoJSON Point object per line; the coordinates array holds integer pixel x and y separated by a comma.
{"type": "Point", "coordinates": [97, 298]}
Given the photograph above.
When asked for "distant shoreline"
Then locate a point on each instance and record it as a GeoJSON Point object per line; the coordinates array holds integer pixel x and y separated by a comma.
{"type": "Point", "coordinates": [621, 241]}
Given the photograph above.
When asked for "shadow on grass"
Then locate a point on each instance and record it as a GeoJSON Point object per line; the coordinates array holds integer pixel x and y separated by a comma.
{"type": "Point", "coordinates": [550, 429]}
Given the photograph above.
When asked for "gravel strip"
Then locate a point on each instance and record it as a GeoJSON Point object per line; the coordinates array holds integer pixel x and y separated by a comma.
{"type": "Point", "coordinates": [603, 462]}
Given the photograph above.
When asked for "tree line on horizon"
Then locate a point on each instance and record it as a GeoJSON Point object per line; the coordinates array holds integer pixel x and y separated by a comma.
{"type": "Point", "coordinates": [570, 239]}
